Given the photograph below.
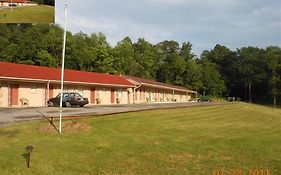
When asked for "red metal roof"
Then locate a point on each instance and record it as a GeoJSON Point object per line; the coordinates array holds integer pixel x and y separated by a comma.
{"type": "Point", "coordinates": [13, 1]}
{"type": "Point", "coordinates": [54, 74]}
{"type": "Point", "coordinates": [138, 81]}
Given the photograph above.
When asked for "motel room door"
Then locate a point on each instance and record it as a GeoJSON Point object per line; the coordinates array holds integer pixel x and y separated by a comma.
{"type": "Point", "coordinates": [93, 95]}
{"type": "Point", "coordinates": [51, 92]}
{"type": "Point", "coordinates": [14, 95]}
{"type": "Point", "coordinates": [112, 96]}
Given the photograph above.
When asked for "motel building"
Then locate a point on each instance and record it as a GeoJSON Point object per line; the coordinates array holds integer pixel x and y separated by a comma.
{"type": "Point", "coordinates": [6, 3]}
{"type": "Point", "coordinates": [37, 84]}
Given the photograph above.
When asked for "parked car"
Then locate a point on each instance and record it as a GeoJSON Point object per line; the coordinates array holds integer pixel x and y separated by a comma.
{"type": "Point", "coordinates": [13, 5]}
{"type": "Point", "coordinates": [205, 98]}
{"type": "Point", "coordinates": [230, 99]}
{"type": "Point", "coordinates": [68, 99]}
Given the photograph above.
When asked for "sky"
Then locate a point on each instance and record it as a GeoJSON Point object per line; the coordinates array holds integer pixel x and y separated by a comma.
{"type": "Point", "coordinates": [203, 23]}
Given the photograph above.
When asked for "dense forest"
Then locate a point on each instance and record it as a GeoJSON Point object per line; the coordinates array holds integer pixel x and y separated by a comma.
{"type": "Point", "coordinates": [249, 73]}
{"type": "Point", "coordinates": [46, 2]}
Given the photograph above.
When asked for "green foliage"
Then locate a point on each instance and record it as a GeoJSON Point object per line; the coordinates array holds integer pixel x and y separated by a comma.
{"type": "Point", "coordinates": [248, 73]}
{"type": "Point", "coordinates": [212, 83]}
{"type": "Point", "coordinates": [171, 65]}
{"type": "Point", "coordinates": [46, 2]}
{"type": "Point", "coordinates": [46, 59]}
{"type": "Point", "coordinates": [124, 61]}
{"type": "Point", "coordinates": [145, 55]}
{"type": "Point", "coordinates": [273, 56]}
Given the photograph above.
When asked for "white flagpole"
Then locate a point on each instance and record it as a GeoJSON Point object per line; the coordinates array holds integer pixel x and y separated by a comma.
{"type": "Point", "coordinates": [62, 65]}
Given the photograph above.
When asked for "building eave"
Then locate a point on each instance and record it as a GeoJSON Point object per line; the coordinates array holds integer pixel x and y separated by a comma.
{"type": "Point", "coordinates": [165, 87]}
{"type": "Point", "coordinates": [67, 82]}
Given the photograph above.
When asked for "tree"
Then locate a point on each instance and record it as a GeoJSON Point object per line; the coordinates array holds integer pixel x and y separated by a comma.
{"type": "Point", "coordinates": [192, 75]}
{"type": "Point", "coordinates": [171, 65]}
{"type": "Point", "coordinates": [146, 57]}
{"type": "Point", "coordinates": [124, 58]}
{"type": "Point", "coordinates": [46, 59]}
{"type": "Point", "coordinates": [186, 51]}
{"type": "Point", "coordinates": [212, 82]}
{"type": "Point", "coordinates": [252, 66]}
{"type": "Point", "coordinates": [225, 61]}
{"type": "Point", "coordinates": [273, 56]}
{"type": "Point", "coordinates": [103, 58]}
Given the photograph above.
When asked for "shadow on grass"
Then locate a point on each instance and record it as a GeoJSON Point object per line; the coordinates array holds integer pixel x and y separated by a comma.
{"type": "Point", "coordinates": [25, 156]}
{"type": "Point", "coordinates": [51, 119]}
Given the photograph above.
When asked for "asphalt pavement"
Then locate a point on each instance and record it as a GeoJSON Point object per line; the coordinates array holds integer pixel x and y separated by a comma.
{"type": "Point", "coordinates": [9, 116]}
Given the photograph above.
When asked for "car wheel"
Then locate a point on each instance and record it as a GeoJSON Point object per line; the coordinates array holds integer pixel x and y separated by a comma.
{"type": "Point", "coordinates": [67, 104]}
{"type": "Point", "coordinates": [51, 104]}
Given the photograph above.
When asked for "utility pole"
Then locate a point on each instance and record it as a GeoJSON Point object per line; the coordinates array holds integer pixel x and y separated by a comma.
{"type": "Point", "coordinates": [62, 66]}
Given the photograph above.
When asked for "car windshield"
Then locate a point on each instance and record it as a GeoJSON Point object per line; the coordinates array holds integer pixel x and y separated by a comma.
{"type": "Point", "coordinates": [64, 95]}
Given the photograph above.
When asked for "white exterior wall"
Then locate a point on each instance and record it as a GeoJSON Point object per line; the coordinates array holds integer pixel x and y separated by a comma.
{"type": "Point", "coordinates": [4, 94]}
{"type": "Point", "coordinates": [37, 94]}
{"type": "Point", "coordinates": [84, 91]}
{"type": "Point", "coordinates": [33, 92]}
{"type": "Point", "coordinates": [5, 4]}
{"type": "Point", "coordinates": [140, 96]}
{"type": "Point", "coordinates": [104, 94]}
{"type": "Point", "coordinates": [122, 94]}
{"type": "Point", "coordinates": [177, 97]}
{"type": "Point", "coordinates": [130, 96]}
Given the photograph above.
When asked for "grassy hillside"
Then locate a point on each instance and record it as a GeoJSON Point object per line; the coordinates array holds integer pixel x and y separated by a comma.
{"type": "Point", "coordinates": [199, 140]}
{"type": "Point", "coordinates": [36, 14]}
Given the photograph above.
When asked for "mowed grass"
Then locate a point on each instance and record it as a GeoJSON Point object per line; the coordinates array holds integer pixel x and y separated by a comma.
{"type": "Point", "coordinates": [196, 140]}
{"type": "Point", "coordinates": [34, 14]}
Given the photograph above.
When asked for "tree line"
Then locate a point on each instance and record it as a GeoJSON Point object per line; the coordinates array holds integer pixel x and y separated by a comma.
{"type": "Point", "coordinates": [46, 2]}
{"type": "Point", "coordinates": [249, 73]}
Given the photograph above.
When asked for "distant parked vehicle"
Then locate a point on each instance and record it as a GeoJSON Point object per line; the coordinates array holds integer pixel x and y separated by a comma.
{"type": "Point", "coordinates": [230, 99]}
{"type": "Point", "coordinates": [13, 5]}
{"type": "Point", "coordinates": [68, 99]}
{"type": "Point", "coordinates": [205, 99]}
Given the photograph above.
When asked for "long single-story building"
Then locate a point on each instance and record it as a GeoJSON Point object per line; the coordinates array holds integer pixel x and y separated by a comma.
{"type": "Point", "coordinates": [6, 3]}
{"type": "Point", "coordinates": [153, 91]}
{"type": "Point", "coordinates": [37, 84]}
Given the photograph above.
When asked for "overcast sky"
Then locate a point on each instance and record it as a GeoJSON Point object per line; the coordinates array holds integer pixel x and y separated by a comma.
{"type": "Point", "coordinates": [204, 23]}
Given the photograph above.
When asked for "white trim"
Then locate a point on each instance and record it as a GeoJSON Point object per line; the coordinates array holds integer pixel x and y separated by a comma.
{"type": "Point", "coordinates": [165, 87]}
{"type": "Point", "coordinates": [58, 81]}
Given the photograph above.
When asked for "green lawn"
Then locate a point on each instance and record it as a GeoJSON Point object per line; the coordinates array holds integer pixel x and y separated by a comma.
{"type": "Point", "coordinates": [196, 140]}
{"type": "Point", "coordinates": [35, 14]}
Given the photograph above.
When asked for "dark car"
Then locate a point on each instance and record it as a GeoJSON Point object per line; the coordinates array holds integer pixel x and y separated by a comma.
{"type": "Point", "coordinates": [13, 5]}
{"type": "Point", "coordinates": [69, 99]}
{"type": "Point", "coordinates": [205, 98]}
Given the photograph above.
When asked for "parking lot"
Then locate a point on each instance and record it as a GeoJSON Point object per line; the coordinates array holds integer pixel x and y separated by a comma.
{"type": "Point", "coordinates": [14, 115]}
